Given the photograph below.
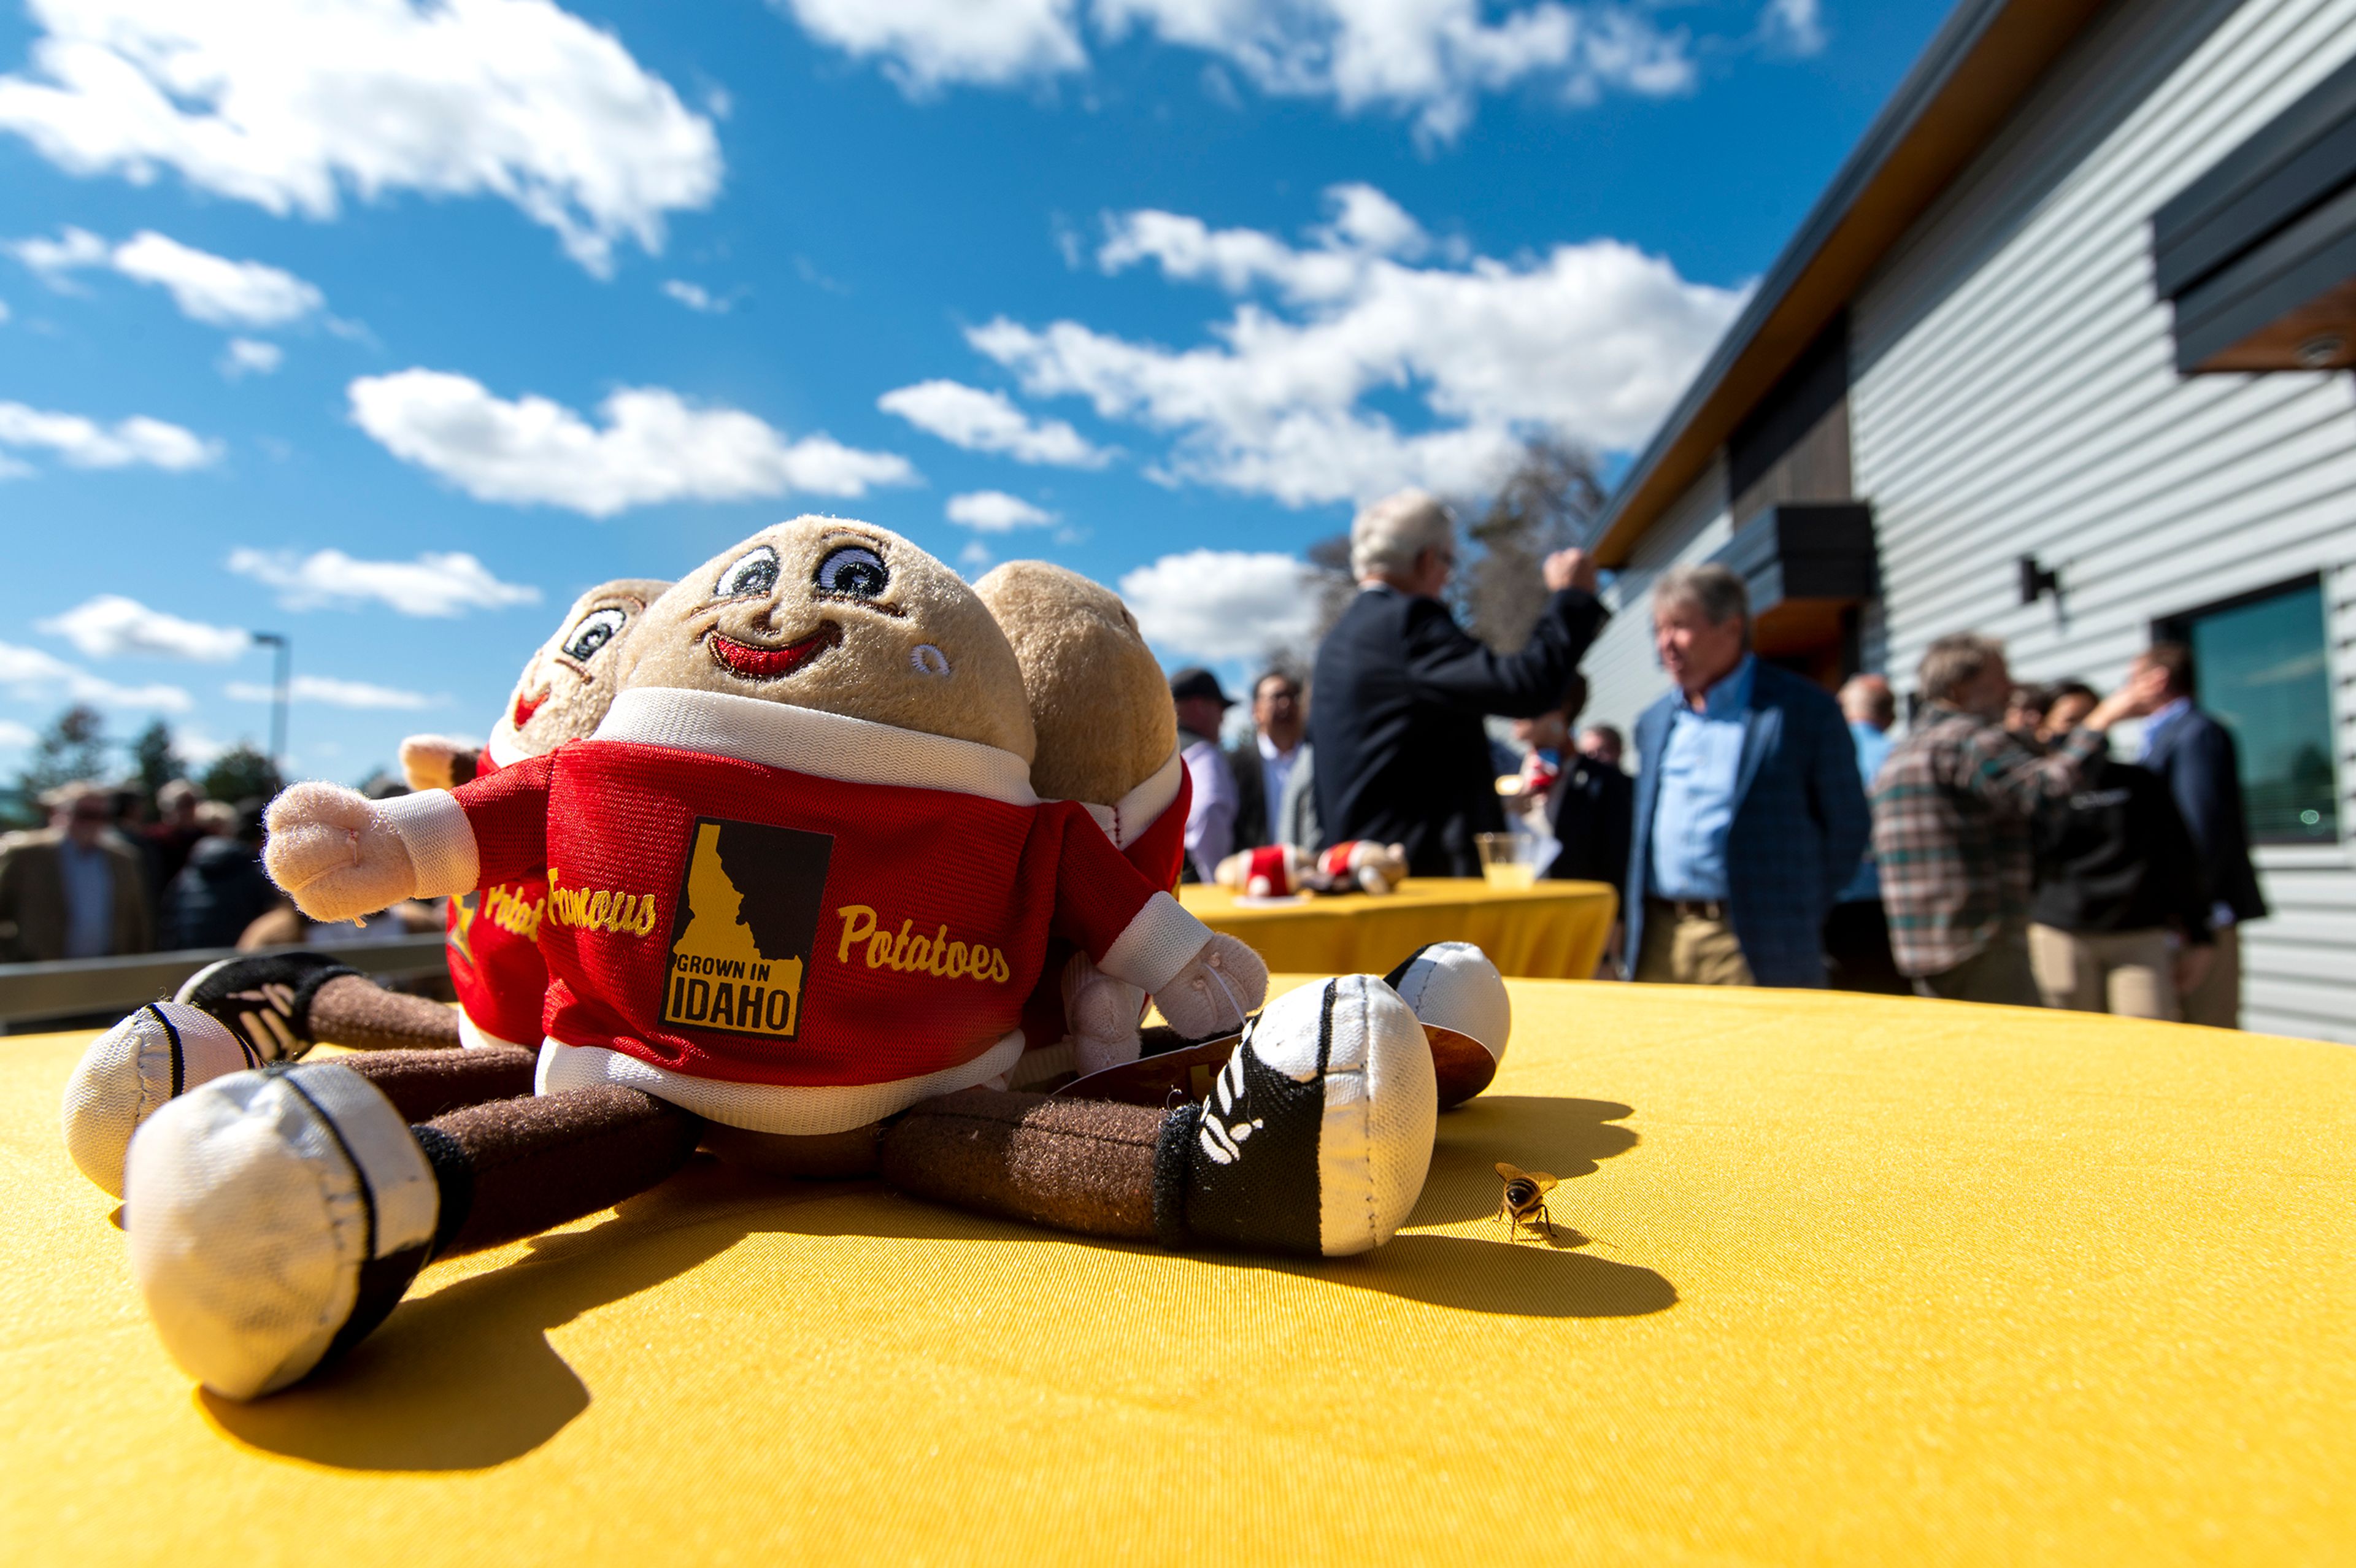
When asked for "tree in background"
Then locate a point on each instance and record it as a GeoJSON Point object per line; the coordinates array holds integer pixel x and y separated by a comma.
{"type": "Point", "coordinates": [154, 763]}
{"type": "Point", "coordinates": [240, 773]}
{"type": "Point", "coordinates": [73, 747]}
{"type": "Point", "coordinates": [1544, 504]}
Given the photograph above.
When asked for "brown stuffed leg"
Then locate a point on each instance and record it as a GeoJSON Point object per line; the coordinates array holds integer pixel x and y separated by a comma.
{"type": "Point", "coordinates": [514, 1168]}
{"type": "Point", "coordinates": [1087, 1166]}
{"type": "Point", "coordinates": [423, 1085]}
{"type": "Point", "coordinates": [355, 1011]}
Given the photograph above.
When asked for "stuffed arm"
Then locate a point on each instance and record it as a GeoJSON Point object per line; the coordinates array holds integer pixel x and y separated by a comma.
{"type": "Point", "coordinates": [340, 855]}
{"type": "Point", "coordinates": [437, 762]}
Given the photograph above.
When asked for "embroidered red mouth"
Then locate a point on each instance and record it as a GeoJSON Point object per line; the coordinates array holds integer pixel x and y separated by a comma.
{"type": "Point", "coordinates": [756, 663]}
{"type": "Point", "coordinates": [525, 707]}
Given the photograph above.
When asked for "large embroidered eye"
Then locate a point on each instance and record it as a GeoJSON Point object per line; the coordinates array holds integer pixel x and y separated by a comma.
{"type": "Point", "coordinates": [596, 629]}
{"type": "Point", "coordinates": [754, 572]}
{"type": "Point", "coordinates": [854, 571]}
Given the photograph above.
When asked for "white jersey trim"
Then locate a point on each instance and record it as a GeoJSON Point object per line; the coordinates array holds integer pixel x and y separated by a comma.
{"type": "Point", "coordinates": [798, 1109]}
{"type": "Point", "coordinates": [805, 740]}
{"type": "Point", "coordinates": [1126, 820]}
{"type": "Point", "coordinates": [474, 1036]}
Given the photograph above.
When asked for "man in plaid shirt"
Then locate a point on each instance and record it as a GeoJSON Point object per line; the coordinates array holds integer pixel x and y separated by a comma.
{"type": "Point", "coordinates": [1952, 809]}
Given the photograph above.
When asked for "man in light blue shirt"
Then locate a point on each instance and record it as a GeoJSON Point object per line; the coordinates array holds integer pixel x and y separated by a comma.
{"type": "Point", "coordinates": [1748, 815]}
{"type": "Point", "coordinates": [1695, 808]}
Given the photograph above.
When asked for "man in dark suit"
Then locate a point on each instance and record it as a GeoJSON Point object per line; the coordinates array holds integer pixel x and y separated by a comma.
{"type": "Point", "coordinates": [1396, 730]}
{"type": "Point", "coordinates": [73, 890]}
{"type": "Point", "coordinates": [2196, 757]}
{"type": "Point", "coordinates": [1263, 765]}
{"type": "Point", "coordinates": [1750, 814]}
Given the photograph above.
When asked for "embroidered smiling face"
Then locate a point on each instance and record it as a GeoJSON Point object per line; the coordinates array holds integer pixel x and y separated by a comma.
{"type": "Point", "coordinates": [843, 617]}
{"type": "Point", "coordinates": [565, 689]}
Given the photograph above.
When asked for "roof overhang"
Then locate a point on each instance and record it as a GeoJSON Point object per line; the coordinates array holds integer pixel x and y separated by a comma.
{"type": "Point", "coordinates": [1982, 63]}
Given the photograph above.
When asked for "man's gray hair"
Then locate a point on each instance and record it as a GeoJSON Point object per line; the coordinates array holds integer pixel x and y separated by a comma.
{"type": "Point", "coordinates": [1716, 590]}
{"type": "Point", "coordinates": [1954, 662]}
{"type": "Point", "coordinates": [1387, 536]}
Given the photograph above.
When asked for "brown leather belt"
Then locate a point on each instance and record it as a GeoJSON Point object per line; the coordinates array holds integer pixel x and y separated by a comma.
{"type": "Point", "coordinates": [1691, 909]}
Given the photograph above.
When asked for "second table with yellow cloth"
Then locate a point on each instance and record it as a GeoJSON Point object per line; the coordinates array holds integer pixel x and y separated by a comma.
{"type": "Point", "coordinates": [1839, 1279]}
{"type": "Point", "coordinates": [1550, 930]}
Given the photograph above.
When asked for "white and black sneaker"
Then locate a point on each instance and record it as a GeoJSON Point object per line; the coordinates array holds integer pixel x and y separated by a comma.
{"type": "Point", "coordinates": [265, 999]}
{"type": "Point", "coordinates": [1316, 1137]}
{"type": "Point", "coordinates": [156, 1055]}
{"type": "Point", "coordinates": [1461, 999]}
{"type": "Point", "coordinates": [274, 1218]}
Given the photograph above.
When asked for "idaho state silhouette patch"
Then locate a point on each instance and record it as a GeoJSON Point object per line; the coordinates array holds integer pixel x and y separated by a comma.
{"type": "Point", "coordinates": [747, 923]}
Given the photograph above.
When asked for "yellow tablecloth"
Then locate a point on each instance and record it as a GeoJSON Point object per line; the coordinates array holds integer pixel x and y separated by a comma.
{"type": "Point", "coordinates": [1555, 930]}
{"type": "Point", "coordinates": [1844, 1280]}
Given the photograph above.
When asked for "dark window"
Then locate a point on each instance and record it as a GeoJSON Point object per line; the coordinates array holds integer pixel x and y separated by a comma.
{"type": "Point", "coordinates": [2262, 668]}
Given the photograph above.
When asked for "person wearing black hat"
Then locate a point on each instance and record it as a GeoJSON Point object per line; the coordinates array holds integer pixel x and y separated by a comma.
{"type": "Point", "coordinates": [1210, 816]}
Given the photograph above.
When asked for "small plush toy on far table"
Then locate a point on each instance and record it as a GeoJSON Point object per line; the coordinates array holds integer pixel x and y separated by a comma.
{"type": "Point", "coordinates": [1277, 871]}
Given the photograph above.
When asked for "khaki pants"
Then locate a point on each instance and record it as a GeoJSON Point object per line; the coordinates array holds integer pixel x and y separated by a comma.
{"type": "Point", "coordinates": [2216, 1000]}
{"type": "Point", "coordinates": [2130, 972]}
{"type": "Point", "coordinates": [1689, 949]}
{"type": "Point", "coordinates": [1997, 972]}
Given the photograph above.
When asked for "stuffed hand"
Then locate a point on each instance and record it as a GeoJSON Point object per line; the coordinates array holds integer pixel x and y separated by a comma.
{"type": "Point", "coordinates": [332, 851]}
{"type": "Point", "coordinates": [437, 761]}
{"type": "Point", "coordinates": [1219, 987]}
{"type": "Point", "coordinates": [1103, 1014]}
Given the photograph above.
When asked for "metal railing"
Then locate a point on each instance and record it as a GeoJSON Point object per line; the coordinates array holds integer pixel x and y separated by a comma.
{"type": "Point", "coordinates": [76, 987]}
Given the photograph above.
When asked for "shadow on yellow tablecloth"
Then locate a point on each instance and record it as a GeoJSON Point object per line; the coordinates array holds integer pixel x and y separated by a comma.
{"type": "Point", "coordinates": [1844, 1280]}
{"type": "Point", "coordinates": [1555, 930]}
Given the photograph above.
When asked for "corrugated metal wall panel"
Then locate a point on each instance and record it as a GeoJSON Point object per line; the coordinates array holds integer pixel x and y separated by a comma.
{"type": "Point", "coordinates": [2013, 391]}
{"type": "Point", "coordinates": [1624, 677]}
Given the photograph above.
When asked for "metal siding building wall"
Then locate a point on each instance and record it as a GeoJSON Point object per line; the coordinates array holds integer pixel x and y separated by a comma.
{"type": "Point", "coordinates": [1624, 677]}
{"type": "Point", "coordinates": [2013, 391]}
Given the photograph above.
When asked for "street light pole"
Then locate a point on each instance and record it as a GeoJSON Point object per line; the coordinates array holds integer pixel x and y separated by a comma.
{"type": "Point", "coordinates": [279, 691]}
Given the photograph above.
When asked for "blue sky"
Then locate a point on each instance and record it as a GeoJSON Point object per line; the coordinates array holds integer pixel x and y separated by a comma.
{"type": "Point", "coordinates": [391, 325]}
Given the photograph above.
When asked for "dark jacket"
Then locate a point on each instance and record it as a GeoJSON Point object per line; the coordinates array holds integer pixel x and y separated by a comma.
{"type": "Point", "coordinates": [1253, 807]}
{"type": "Point", "coordinates": [2114, 855]}
{"type": "Point", "coordinates": [220, 892]}
{"type": "Point", "coordinates": [2196, 758]}
{"type": "Point", "coordinates": [1592, 818]}
{"type": "Point", "coordinates": [1800, 824]}
{"type": "Point", "coordinates": [1400, 689]}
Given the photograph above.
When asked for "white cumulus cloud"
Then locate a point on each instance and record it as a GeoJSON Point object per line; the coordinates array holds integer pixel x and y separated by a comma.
{"type": "Point", "coordinates": [1221, 604]}
{"type": "Point", "coordinates": [982, 421]}
{"type": "Point", "coordinates": [112, 627]}
{"type": "Point", "coordinates": [16, 737]}
{"type": "Point", "coordinates": [433, 585]}
{"type": "Point", "coordinates": [35, 675]}
{"type": "Point", "coordinates": [996, 512]}
{"type": "Point", "coordinates": [289, 105]}
{"type": "Point", "coordinates": [1797, 25]}
{"type": "Point", "coordinates": [696, 297]}
{"type": "Point", "coordinates": [1590, 342]}
{"type": "Point", "coordinates": [331, 693]}
{"type": "Point", "coordinates": [208, 288]}
{"type": "Point", "coordinates": [651, 446]}
{"type": "Point", "coordinates": [924, 43]}
{"type": "Point", "coordinates": [83, 443]}
{"type": "Point", "coordinates": [250, 357]}
{"type": "Point", "coordinates": [1428, 58]}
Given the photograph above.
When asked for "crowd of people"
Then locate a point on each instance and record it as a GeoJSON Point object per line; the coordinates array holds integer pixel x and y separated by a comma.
{"type": "Point", "coordinates": [1774, 833]}
{"type": "Point", "coordinates": [103, 879]}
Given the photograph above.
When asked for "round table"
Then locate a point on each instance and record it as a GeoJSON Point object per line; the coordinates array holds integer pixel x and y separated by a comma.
{"type": "Point", "coordinates": [1839, 1279]}
{"type": "Point", "coordinates": [1552, 931]}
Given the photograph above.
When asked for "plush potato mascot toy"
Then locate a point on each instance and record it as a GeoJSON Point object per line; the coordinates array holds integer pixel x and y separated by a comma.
{"type": "Point", "coordinates": [799, 888]}
{"type": "Point", "coordinates": [1108, 738]}
{"type": "Point", "coordinates": [1275, 870]}
{"type": "Point", "coordinates": [244, 1012]}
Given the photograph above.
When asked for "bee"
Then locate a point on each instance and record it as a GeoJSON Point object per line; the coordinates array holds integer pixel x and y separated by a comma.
{"type": "Point", "coordinates": [1525, 1199]}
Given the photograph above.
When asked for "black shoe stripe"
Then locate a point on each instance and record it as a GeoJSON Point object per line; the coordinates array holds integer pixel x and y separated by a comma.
{"type": "Point", "coordinates": [1325, 1030]}
{"type": "Point", "coordinates": [367, 1196]}
{"type": "Point", "coordinates": [179, 1067]}
{"type": "Point", "coordinates": [1395, 976]}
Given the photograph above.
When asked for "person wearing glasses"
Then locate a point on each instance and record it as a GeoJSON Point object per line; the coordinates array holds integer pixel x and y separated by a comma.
{"type": "Point", "coordinates": [73, 890]}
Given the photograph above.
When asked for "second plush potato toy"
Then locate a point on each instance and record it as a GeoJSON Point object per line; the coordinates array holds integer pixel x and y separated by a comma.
{"type": "Point", "coordinates": [799, 888]}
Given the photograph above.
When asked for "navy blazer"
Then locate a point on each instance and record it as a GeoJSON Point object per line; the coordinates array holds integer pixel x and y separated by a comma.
{"type": "Point", "coordinates": [1800, 824]}
{"type": "Point", "coordinates": [1395, 720]}
{"type": "Point", "coordinates": [2197, 758]}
